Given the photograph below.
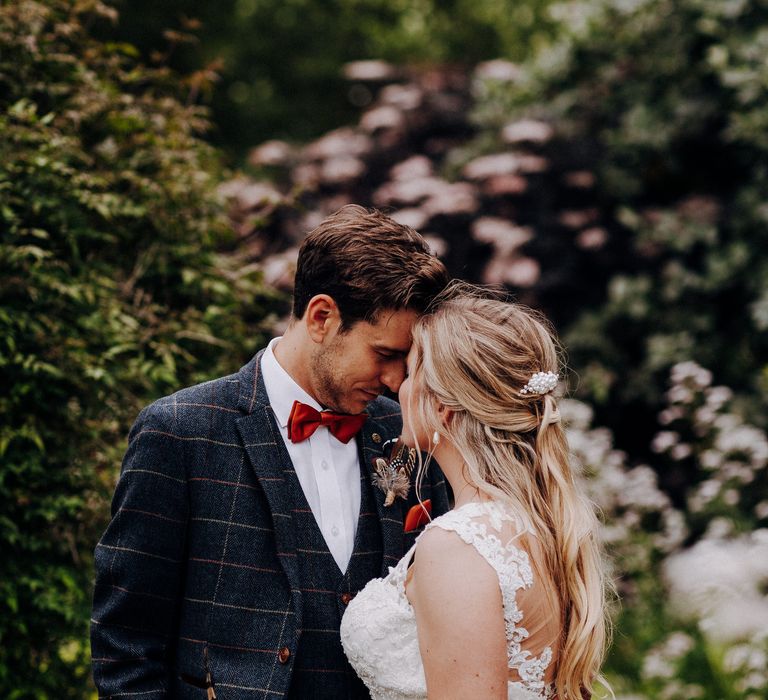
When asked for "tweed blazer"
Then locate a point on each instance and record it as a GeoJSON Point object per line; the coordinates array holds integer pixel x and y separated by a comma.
{"type": "Point", "coordinates": [197, 577]}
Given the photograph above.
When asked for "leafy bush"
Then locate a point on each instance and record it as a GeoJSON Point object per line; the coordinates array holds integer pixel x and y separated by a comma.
{"type": "Point", "coordinates": [112, 293]}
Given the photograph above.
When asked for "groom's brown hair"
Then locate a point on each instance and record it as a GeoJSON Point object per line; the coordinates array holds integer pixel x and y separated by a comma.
{"type": "Point", "coordinates": [368, 263]}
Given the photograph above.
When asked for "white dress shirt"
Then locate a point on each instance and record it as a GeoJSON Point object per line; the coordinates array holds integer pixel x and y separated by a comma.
{"type": "Point", "coordinates": [328, 470]}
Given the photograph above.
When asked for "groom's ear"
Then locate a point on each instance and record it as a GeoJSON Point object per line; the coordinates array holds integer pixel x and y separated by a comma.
{"type": "Point", "coordinates": [322, 317]}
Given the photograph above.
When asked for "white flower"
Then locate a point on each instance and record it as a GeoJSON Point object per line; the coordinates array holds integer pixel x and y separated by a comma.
{"type": "Point", "coordinates": [575, 414]}
{"type": "Point", "coordinates": [674, 531]}
{"type": "Point", "coordinates": [671, 414]}
{"type": "Point", "coordinates": [664, 440]}
{"type": "Point", "coordinates": [718, 396]}
{"type": "Point", "coordinates": [705, 415]}
{"type": "Point", "coordinates": [660, 661]}
{"type": "Point", "coordinates": [691, 371]}
{"type": "Point", "coordinates": [624, 496]}
{"type": "Point", "coordinates": [718, 528]}
{"type": "Point", "coordinates": [680, 451]}
{"type": "Point", "coordinates": [680, 394]}
{"type": "Point", "coordinates": [710, 459]}
{"type": "Point", "coordinates": [746, 656]}
{"type": "Point", "coordinates": [719, 583]}
{"type": "Point", "coordinates": [747, 440]}
{"type": "Point", "coordinates": [736, 471]}
{"type": "Point", "coordinates": [675, 690]}
{"type": "Point", "coordinates": [706, 492]}
{"type": "Point", "coordinates": [726, 422]}
{"type": "Point", "coordinates": [656, 666]}
{"type": "Point", "coordinates": [640, 489]}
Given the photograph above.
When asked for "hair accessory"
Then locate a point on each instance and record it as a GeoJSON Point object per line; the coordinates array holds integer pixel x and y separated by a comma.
{"type": "Point", "coordinates": [540, 383]}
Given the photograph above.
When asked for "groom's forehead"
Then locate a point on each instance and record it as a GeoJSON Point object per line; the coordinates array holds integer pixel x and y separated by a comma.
{"type": "Point", "coordinates": [390, 330]}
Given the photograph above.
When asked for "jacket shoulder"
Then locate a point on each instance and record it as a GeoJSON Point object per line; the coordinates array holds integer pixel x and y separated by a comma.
{"type": "Point", "coordinates": [222, 393]}
{"type": "Point", "coordinates": [207, 406]}
{"type": "Point", "coordinates": [383, 409]}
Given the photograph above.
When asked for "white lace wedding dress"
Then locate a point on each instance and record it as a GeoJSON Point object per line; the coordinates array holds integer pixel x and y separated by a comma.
{"type": "Point", "coordinates": [378, 630]}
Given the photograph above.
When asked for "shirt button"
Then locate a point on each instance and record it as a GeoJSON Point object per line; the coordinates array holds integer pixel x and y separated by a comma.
{"type": "Point", "coordinates": [324, 464]}
{"type": "Point", "coordinates": [334, 531]}
{"type": "Point", "coordinates": [283, 655]}
{"type": "Point", "coordinates": [346, 597]}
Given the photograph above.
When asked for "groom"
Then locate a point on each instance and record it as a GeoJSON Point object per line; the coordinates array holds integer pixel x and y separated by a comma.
{"type": "Point", "coordinates": [245, 519]}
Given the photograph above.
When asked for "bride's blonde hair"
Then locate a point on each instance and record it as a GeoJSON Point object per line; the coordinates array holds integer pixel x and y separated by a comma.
{"type": "Point", "coordinates": [474, 354]}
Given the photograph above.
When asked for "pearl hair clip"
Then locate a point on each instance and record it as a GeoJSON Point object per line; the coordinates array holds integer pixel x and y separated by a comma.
{"type": "Point", "coordinates": [540, 383]}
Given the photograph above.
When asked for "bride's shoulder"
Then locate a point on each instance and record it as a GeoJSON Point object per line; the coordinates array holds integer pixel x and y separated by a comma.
{"type": "Point", "coordinates": [448, 566]}
{"type": "Point", "coordinates": [459, 536]}
{"type": "Point", "coordinates": [480, 517]}
{"type": "Point", "coordinates": [455, 597]}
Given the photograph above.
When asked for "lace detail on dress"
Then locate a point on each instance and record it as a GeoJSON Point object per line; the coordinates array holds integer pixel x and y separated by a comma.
{"type": "Point", "coordinates": [378, 630]}
{"type": "Point", "coordinates": [513, 568]}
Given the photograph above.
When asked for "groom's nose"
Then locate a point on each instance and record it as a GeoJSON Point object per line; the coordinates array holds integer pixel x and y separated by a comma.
{"type": "Point", "coordinates": [393, 375]}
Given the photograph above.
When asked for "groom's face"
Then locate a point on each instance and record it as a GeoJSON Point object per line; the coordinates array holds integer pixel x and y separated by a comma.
{"type": "Point", "coordinates": [351, 369]}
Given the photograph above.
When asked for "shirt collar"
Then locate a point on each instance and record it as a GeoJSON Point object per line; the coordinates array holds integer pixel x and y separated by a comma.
{"type": "Point", "coordinates": [281, 388]}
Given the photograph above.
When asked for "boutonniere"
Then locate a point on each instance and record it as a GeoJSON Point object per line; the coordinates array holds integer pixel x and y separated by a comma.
{"type": "Point", "coordinates": [393, 475]}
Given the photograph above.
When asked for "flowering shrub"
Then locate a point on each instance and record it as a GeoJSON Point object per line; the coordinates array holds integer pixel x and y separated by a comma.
{"type": "Point", "coordinates": [640, 526]}
{"type": "Point", "coordinates": [723, 458]}
{"type": "Point", "coordinates": [692, 579]}
{"type": "Point", "coordinates": [659, 104]}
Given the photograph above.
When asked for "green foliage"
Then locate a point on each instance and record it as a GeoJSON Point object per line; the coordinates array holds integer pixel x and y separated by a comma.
{"type": "Point", "coordinates": [282, 59]}
{"type": "Point", "coordinates": [665, 102]}
{"type": "Point", "coordinates": [112, 294]}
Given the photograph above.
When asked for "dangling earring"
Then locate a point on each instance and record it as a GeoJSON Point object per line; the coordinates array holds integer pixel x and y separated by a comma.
{"type": "Point", "coordinates": [435, 438]}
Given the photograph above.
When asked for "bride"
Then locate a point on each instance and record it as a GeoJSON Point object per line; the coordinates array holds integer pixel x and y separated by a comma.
{"type": "Point", "coordinates": [503, 596]}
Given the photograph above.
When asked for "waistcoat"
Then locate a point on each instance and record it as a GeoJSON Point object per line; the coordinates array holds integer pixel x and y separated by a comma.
{"type": "Point", "coordinates": [321, 669]}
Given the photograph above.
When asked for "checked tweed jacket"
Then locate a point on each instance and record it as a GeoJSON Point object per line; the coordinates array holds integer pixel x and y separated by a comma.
{"type": "Point", "coordinates": [199, 574]}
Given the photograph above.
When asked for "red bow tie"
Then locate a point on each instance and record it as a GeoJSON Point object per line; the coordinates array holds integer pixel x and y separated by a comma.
{"type": "Point", "coordinates": [304, 420]}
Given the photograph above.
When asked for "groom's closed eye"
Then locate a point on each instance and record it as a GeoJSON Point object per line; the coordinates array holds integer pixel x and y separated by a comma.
{"type": "Point", "coordinates": [391, 354]}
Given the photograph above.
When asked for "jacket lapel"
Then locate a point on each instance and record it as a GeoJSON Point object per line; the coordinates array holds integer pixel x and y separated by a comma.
{"type": "Point", "coordinates": [268, 456]}
{"type": "Point", "coordinates": [390, 517]}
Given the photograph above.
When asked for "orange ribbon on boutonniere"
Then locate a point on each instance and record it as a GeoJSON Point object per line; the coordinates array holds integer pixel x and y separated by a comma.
{"type": "Point", "coordinates": [393, 475]}
{"type": "Point", "coordinates": [418, 515]}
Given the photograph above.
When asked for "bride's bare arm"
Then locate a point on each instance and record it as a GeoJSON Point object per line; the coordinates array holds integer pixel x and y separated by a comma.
{"type": "Point", "coordinates": [456, 597]}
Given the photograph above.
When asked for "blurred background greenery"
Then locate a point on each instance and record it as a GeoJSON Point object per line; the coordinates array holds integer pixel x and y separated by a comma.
{"type": "Point", "coordinates": [124, 278]}
{"type": "Point", "coordinates": [278, 62]}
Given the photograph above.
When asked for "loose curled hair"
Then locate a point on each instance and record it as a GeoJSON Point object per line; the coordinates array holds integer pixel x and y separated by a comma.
{"type": "Point", "coordinates": [368, 263]}
{"type": "Point", "coordinates": [474, 354]}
